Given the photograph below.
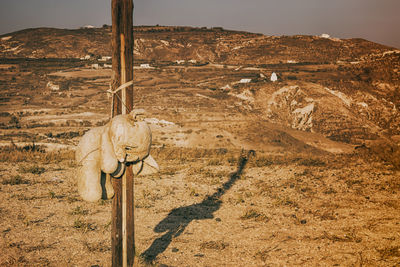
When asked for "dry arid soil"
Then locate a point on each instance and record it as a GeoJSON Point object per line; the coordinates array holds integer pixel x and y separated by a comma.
{"type": "Point", "coordinates": [304, 171]}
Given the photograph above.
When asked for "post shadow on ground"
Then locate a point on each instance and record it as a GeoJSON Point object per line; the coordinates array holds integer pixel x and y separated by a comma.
{"type": "Point", "coordinates": [177, 220]}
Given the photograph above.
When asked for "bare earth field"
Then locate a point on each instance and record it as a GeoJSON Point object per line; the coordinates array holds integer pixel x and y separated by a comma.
{"type": "Point", "coordinates": [301, 199]}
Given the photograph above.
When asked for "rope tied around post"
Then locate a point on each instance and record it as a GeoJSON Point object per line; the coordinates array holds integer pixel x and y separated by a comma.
{"type": "Point", "coordinates": [111, 93]}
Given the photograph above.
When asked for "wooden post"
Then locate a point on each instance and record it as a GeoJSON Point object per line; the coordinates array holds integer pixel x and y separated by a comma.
{"type": "Point", "coordinates": [122, 234]}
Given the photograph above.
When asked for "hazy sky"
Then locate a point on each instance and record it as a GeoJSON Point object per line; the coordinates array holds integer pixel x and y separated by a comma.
{"type": "Point", "coordinates": [375, 20]}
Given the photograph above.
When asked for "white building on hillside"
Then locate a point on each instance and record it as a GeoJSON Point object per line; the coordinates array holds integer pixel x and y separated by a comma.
{"type": "Point", "coordinates": [274, 77]}
{"type": "Point", "coordinates": [146, 66]}
{"type": "Point", "coordinates": [245, 81]}
{"type": "Point", "coordinates": [105, 58]}
{"type": "Point", "coordinates": [53, 86]}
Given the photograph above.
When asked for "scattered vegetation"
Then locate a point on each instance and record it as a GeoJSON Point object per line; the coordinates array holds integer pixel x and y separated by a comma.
{"type": "Point", "coordinates": [102, 246]}
{"type": "Point", "coordinates": [211, 157]}
{"type": "Point", "coordinates": [15, 180]}
{"type": "Point", "coordinates": [389, 252]}
{"type": "Point", "coordinates": [284, 201]}
{"type": "Point", "coordinates": [350, 236]}
{"type": "Point", "coordinates": [262, 160]}
{"type": "Point", "coordinates": [78, 210]}
{"type": "Point", "coordinates": [14, 122]}
{"type": "Point", "coordinates": [264, 254]}
{"type": "Point", "coordinates": [386, 151]}
{"type": "Point", "coordinates": [312, 161]}
{"type": "Point", "coordinates": [33, 153]}
{"type": "Point", "coordinates": [217, 245]}
{"type": "Point", "coordinates": [52, 194]}
{"type": "Point", "coordinates": [65, 135]}
{"type": "Point", "coordinates": [84, 225]}
{"type": "Point", "coordinates": [34, 169]}
{"type": "Point", "coordinates": [252, 214]}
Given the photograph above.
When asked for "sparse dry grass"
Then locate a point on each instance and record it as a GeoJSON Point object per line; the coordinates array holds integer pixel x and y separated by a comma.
{"type": "Point", "coordinates": [387, 151]}
{"type": "Point", "coordinates": [83, 225]}
{"type": "Point", "coordinates": [252, 214]}
{"type": "Point", "coordinates": [15, 180]}
{"type": "Point", "coordinates": [289, 191]}
{"type": "Point", "coordinates": [211, 157]}
{"type": "Point", "coordinates": [101, 247]}
{"type": "Point", "coordinates": [13, 153]}
{"type": "Point", "coordinates": [280, 197]}
{"type": "Point", "coordinates": [265, 160]}
{"type": "Point", "coordinates": [78, 210]}
{"type": "Point", "coordinates": [34, 169]}
{"type": "Point", "coordinates": [216, 245]}
{"type": "Point", "coordinates": [390, 252]}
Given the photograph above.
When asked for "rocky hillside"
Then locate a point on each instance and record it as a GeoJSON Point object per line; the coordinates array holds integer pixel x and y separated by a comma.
{"type": "Point", "coordinates": [348, 90]}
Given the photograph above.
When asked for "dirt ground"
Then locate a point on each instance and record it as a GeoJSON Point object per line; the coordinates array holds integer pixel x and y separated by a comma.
{"type": "Point", "coordinates": [210, 208]}
{"type": "Point", "coordinates": [299, 200]}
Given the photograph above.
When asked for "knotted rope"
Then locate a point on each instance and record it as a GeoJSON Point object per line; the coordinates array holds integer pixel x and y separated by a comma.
{"type": "Point", "coordinates": [113, 93]}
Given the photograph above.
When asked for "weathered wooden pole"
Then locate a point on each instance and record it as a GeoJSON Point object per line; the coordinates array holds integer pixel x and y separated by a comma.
{"type": "Point", "coordinates": [122, 234]}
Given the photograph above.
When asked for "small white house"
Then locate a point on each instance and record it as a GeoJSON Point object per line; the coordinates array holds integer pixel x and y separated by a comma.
{"type": "Point", "coordinates": [95, 66]}
{"type": "Point", "coordinates": [325, 35]}
{"type": "Point", "coordinates": [145, 66]}
{"type": "Point", "coordinates": [87, 57]}
{"type": "Point", "coordinates": [180, 61]}
{"type": "Point", "coordinates": [53, 86]}
{"type": "Point", "coordinates": [105, 58]}
{"type": "Point", "coordinates": [274, 77]}
{"type": "Point", "coordinates": [245, 81]}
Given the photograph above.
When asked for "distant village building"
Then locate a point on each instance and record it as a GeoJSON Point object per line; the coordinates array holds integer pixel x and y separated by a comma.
{"type": "Point", "coordinates": [95, 66]}
{"type": "Point", "coordinates": [105, 58]}
{"type": "Point", "coordinates": [145, 66]}
{"type": "Point", "coordinates": [226, 87]}
{"type": "Point", "coordinates": [87, 57]}
{"type": "Point", "coordinates": [53, 86]}
{"type": "Point", "coordinates": [325, 35]}
{"type": "Point", "coordinates": [180, 61]}
{"type": "Point", "coordinates": [274, 77]}
{"type": "Point", "coordinates": [88, 27]}
{"type": "Point", "coordinates": [165, 42]}
{"type": "Point", "coordinates": [107, 66]}
{"type": "Point", "coordinates": [245, 81]}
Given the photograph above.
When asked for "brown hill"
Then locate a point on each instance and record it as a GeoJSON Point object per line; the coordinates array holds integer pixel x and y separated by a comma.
{"type": "Point", "coordinates": [170, 43]}
{"type": "Point", "coordinates": [347, 90]}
